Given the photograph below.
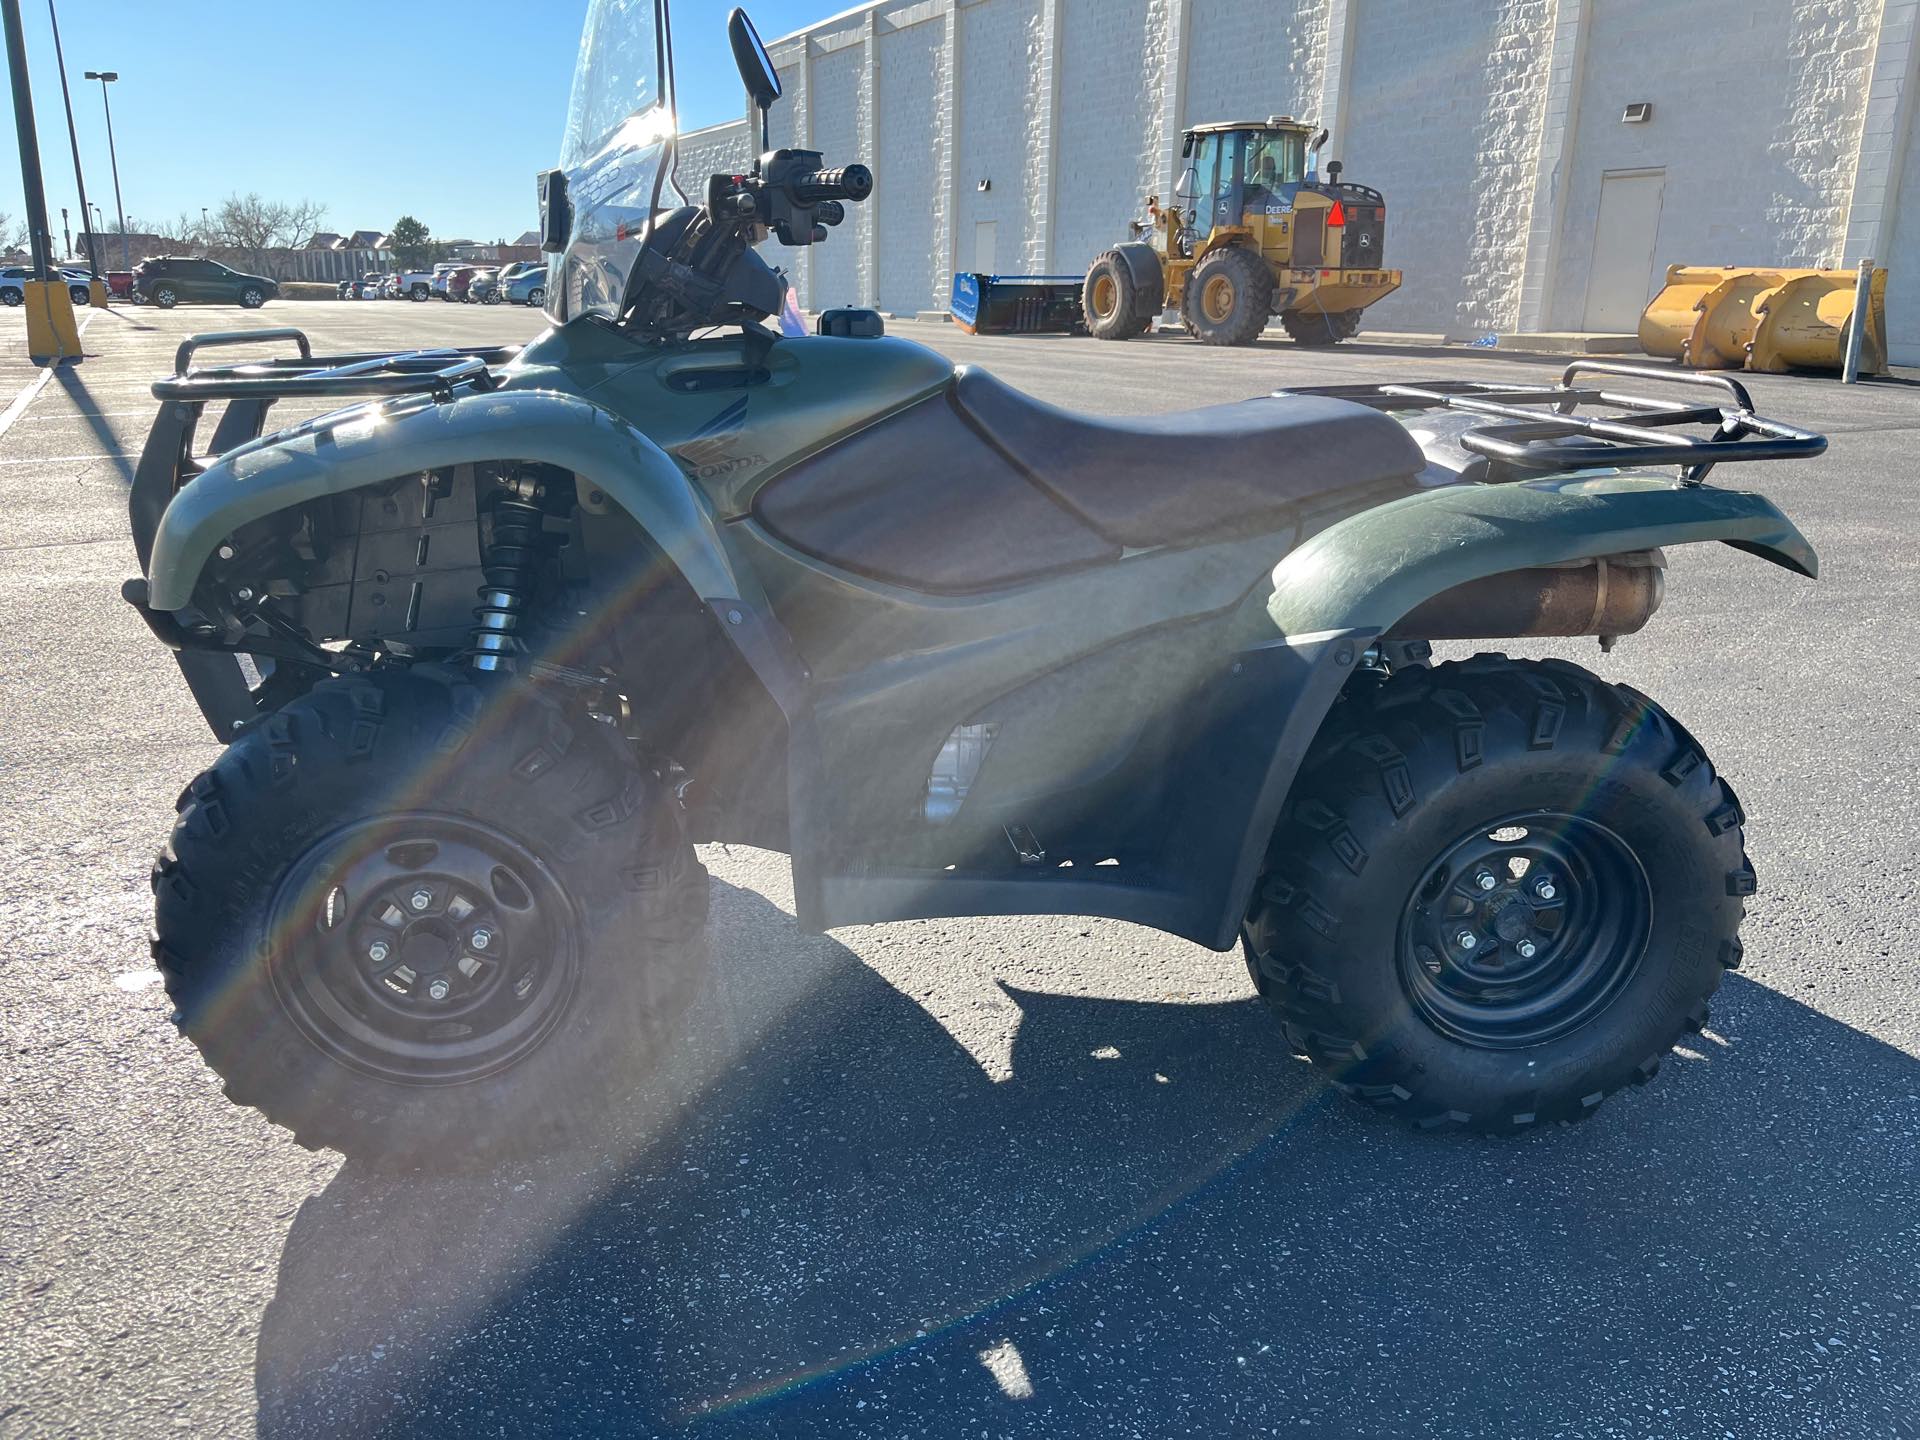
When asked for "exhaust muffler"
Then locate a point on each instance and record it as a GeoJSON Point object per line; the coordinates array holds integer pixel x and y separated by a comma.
{"type": "Point", "coordinates": [1607, 595]}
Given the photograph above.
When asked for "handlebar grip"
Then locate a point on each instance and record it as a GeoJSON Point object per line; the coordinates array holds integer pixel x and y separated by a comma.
{"type": "Point", "coordinates": [849, 182]}
{"type": "Point", "coordinates": [829, 212]}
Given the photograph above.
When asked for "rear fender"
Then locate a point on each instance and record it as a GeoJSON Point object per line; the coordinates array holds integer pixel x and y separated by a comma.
{"type": "Point", "coordinates": [1348, 585]}
{"type": "Point", "coordinates": [1149, 281]}
{"type": "Point", "coordinates": [1366, 572]}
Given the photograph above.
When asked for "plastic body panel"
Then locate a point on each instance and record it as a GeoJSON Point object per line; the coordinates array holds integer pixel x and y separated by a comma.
{"type": "Point", "coordinates": [1366, 572]}
{"type": "Point", "coordinates": [735, 412]}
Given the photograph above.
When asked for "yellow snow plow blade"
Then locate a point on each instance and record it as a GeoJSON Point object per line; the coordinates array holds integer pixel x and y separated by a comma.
{"type": "Point", "coordinates": [1723, 317]}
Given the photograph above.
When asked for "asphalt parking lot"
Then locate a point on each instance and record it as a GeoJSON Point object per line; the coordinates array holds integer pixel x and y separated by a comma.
{"type": "Point", "coordinates": [981, 1178]}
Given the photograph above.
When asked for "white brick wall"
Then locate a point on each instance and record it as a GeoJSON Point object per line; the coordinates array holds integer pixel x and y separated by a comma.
{"type": "Point", "coordinates": [905, 178]}
{"type": "Point", "coordinates": [716, 150]}
{"type": "Point", "coordinates": [1758, 148]}
{"type": "Point", "coordinates": [1070, 108]}
{"type": "Point", "coordinates": [1109, 142]}
{"type": "Point", "coordinates": [834, 89]}
{"type": "Point", "coordinates": [1444, 112]}
{"type": "Point", "coordinates": [996, 79]}
{"type": "Point", "coordinates": [1248, 61]}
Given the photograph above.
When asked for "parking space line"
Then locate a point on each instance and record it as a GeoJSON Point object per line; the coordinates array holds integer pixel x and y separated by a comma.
{"type": "Point", "coordinates": [70, 459]}
{"type": "Point", "coordinates": [34, 386]}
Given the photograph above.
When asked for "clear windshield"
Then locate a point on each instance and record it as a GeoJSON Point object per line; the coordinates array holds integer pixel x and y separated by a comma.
{"type": "Point", "coordinates": [615, 152]}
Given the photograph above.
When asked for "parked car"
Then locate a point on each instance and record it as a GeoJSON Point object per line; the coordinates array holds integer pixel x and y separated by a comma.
{"type": "Point", "coordinates": [484, 287]}
{"type": "Point", "coordinates": [171, 279]}
{"type": "Point", "coordinates": [13, 280]}
{"type": "Point", "coordinates": [409, 285]}
{"type": "Point", "coordinates": [451, 283]}
{"type": "Point", "coordinates": [524, 283]}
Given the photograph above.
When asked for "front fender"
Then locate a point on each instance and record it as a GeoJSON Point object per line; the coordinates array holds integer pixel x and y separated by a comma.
{"type": "Point", "coordinates": [1370, 569]}
{"type": "Point", "coordinates": [372, 445]}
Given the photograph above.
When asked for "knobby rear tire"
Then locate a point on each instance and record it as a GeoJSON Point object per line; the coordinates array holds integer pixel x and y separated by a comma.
{"type": "Point", "coordinates": [1397, 773]}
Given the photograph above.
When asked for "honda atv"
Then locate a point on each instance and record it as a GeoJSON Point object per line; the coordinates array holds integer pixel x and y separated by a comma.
{"type": "Point", "coordinates": [498, 643]}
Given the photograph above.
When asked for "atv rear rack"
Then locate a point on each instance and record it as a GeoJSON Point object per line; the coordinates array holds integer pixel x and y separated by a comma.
{"type": "Point", "coordinates": [1545, 433]}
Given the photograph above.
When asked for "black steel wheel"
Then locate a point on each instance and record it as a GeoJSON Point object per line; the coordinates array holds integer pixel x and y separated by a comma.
{"type": "Point", "coordinates": [1524, 930]}
{"type": "Point", "coordinates": [421, 919]}
{"type": "Point", "coordinates": [438, 950]}
{"type": "Point", "coordinates": [1501, 891]}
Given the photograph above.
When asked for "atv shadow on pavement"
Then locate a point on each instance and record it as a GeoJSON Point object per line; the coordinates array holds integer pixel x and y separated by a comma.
{"type": "Point", "coordinates": [1158, 1225]}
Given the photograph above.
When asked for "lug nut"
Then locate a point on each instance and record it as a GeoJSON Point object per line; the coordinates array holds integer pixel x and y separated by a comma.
{"type": "Point", "coordinates": [1543, 887]}
{"type": "Point", "coordinates": [1526, 949]}
{"type": "Point", "coordinates": [438, 988]}
{"type": "Point", "coordinates": [481, 939]}
{"type": "Point", "coordinates": [1484, 879]}
{"type": "Point", "coordinates": [420, 899]}
{"type": "Point", "coordinates": [1466, 940]}
{"type": "Point", "coordinates": [378, 952]}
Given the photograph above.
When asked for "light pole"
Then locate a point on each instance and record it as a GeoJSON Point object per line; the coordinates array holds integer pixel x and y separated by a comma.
{"type": "Point", "coordinates": [97, 288]}
{"type": "Point", "coordinates": [51, 331]}
{"type": "Point", "coordinates": [104, 76]}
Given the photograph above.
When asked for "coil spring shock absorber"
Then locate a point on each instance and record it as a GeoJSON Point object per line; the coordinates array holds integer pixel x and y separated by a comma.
{"type": "Point", "coordinates": [508, 568]}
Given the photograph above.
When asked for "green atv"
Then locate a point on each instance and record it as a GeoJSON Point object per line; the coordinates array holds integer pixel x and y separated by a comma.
{"type": "Point", "coordinates": [497, 644]}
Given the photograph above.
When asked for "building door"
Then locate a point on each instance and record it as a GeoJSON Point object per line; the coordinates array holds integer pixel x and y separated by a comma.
{"type": "Point", "coordinates": [984, 232]}
{"type": "Point", "coordinates": [1620, 281]}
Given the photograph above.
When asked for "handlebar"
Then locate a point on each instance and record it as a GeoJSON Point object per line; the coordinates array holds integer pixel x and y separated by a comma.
{"type": "Point", "coordinates": [849, 182]}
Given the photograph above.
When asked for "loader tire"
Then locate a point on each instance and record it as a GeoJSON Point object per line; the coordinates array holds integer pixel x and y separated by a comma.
{"type": "Point", "coordinates": [1317, 328]}
{"type": "Point", "coordinates": [424, 920]}
{"type": "Point", "coordinates": [1111, 300]}
{"type": "Point", "coordinates": [1569, 828]}
{"type": "Point", "coordinates": [1229, 296]}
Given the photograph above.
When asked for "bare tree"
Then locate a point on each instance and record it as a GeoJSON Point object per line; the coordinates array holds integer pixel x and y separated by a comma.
{"type": "Point", "coordinates": [253, 226]}
{"type": "Point", "coordinates": [13, 233]}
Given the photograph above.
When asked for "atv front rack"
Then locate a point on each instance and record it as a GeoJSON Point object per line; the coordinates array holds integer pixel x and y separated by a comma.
{"type": "Point", "coordinates": [400, 372]}
{"type": "Point", "coordinates": [1540, 429]}
{"type": "Point", "coordinates": [250, 389]}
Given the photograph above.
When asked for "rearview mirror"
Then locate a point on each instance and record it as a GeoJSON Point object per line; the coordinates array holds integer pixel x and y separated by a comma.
{"type": "Point", "coordinates": [751, 59]}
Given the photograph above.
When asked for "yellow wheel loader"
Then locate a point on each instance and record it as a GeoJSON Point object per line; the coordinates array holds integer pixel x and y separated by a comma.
{"type": "Point", "coordinates": [1253, 232]}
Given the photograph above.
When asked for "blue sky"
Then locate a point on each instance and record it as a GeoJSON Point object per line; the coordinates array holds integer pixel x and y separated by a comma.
{"type": "Point", "coordinates": [374, 109]}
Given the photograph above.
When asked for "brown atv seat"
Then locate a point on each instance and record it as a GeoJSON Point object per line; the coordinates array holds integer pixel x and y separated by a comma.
{"type": "Point", "coordinates": [1142, 480]}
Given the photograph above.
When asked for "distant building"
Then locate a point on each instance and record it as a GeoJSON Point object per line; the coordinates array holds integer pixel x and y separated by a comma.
{"type": "Point", "coordinates": [123, 252]}
{"type": "Point", "coordinates": [1543, 163]}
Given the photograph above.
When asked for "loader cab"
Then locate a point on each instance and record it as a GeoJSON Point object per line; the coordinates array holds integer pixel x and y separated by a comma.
{"type": "Point", "coordinates": [1242, 169]}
